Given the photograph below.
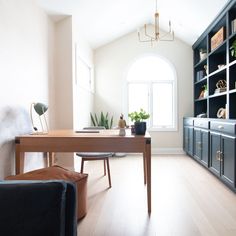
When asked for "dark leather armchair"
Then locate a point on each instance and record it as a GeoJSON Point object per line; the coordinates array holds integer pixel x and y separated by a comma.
{"type": "Point", "coordinates": [36, 208]}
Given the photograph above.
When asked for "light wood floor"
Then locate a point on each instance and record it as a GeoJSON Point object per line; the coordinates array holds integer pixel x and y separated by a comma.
{"type": "Point", "coordinates": [187, 200]}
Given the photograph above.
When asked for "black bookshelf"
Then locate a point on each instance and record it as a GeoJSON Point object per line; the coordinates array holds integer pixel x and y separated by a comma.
{"type": "Point", "coordinates": [214, 65]}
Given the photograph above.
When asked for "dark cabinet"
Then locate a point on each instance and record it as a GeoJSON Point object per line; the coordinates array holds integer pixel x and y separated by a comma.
{"type": "Point", "coordinates": [222, 157]}
{"type": "Point", "coordinates": [228, 159]}
{"type": "Point", "coordinates": [212, 142]}
{"type": "Point", "coordinates": [215, 150]}
{"type": "Point", "coordinates": [188, 140]}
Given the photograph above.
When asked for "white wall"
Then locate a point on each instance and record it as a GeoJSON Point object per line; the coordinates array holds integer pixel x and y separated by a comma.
{"type": "Point", "coordinates": [26, 42]}
{"type": "Point", "coordinates": [112, 63]}
{"type": "Point", "coordinates": [63, 74]}
{"type": "Point", "coordinates": [72, 103]}
{"type": "Point", "coordinates": [83, 98]}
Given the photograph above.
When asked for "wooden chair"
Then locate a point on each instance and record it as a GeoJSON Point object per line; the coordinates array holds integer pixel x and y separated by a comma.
{"type": "Point", "coordinates": [94, 156]}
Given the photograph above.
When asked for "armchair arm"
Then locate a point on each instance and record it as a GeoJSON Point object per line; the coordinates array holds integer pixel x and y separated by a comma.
{"type": "Point", "coordinates": [37, 208]}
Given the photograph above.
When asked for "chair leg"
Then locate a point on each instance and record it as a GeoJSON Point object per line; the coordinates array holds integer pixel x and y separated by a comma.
{"type": "Point", "coordinates": [144, 168]}
{"type": "Point", "coordinates": [82, 165]}
{"type": "Point", "coordinates": [108, 171]}
{"type": "Point", "coordinates": [104, 164]}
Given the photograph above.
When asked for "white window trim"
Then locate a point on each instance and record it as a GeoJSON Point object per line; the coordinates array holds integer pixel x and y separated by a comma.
{"type": "Point", "coordinates": [175, 100]}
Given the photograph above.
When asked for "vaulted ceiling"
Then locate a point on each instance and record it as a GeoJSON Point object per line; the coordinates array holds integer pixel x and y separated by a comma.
{"type": "Point", "coordinates": [102, 21]}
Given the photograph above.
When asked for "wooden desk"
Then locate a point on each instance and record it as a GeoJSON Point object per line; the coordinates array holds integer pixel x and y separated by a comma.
{"type": "Point", "coordinates": [70, 141]}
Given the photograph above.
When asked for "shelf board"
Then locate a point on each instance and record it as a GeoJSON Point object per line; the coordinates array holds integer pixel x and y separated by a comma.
{"type": "Point", "coordinates": [217, 94]}
{"type": "Point", "coordinates": [232, 35]}
{"type": "Point", "coordinates": [217, 71]}
{"type": "Point", "coordinates": [232, 91]}
{"type": "Point", "coordinates": [204, 61]}
{"type": "Point", "coordinates": [202, 80]}
{"type": "Point", "coordinates": [232, 62]}
{"type": "Point", "coordinates": [200, 99]}
{"type": "Point", "coordinates": [218, 48]}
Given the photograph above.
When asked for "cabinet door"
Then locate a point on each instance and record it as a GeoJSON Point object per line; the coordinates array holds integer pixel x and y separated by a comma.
{"type": "Point", "coordinates": [228, 159]}
{"type": "Point", "coordinates": [197, 144]}
{"type": "Point", "coordinates": [190, 143]}
{"type": "Point", "coordinates": [188, 140]}
{"type": "Point", "coordinates": [215, 153]}
{"type": "Point", "coordinates": [205, 147]}
{"type": "Point", "coordinates": [185, 141]}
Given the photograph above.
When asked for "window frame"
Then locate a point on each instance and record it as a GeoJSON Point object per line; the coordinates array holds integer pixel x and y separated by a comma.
{"type": "Point", "coordinates": [150, 98]}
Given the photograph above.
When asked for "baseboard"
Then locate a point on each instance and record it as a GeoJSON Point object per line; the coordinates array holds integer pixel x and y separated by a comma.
{"type": "Point", "coordinates": [168, 151]}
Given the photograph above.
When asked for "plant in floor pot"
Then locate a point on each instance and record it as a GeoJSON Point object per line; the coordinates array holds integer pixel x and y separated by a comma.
{"type": "Point", "coordinates": [102, 120]}
{"type": "Point", "coordinates": [139, 118]}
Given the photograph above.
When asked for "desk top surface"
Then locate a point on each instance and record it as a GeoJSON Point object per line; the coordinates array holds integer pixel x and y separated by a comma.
{"type": "Point", "coordinates": [114, 133]}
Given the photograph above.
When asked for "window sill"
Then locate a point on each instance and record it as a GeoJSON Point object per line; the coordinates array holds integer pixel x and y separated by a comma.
{"type": "Point", "coordinates": [162, 129]}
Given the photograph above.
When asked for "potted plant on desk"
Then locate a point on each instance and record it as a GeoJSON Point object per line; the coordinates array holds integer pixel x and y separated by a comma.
{"type": "Point", "coordinates": [139, 123]}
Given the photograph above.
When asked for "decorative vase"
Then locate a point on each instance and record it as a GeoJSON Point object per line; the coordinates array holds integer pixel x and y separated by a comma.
{"type": "Point", "coordinates": [140, 128]}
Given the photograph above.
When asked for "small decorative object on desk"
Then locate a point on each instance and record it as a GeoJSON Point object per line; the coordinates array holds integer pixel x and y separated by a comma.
{"type": "Point", "coordinates": [122, 125]}
{"type": "Point", "coordinates": [221, 86]}
{"type": "Point", "coordinates": [132, 129]}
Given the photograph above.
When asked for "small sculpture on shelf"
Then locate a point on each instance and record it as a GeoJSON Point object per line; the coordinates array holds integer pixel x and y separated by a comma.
{"type": "Point", "coordinates": [204, 92]}
{"type": "Point", "coordinates": [202, 53]}
{"type": "Point", "coordinates": [221, 113]}
{"type": "Point", "coordinates": [221, 86]}
{"type": "Point", "coordinates": [206, 69]}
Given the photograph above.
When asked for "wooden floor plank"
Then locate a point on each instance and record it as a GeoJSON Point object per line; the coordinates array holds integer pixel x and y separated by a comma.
{"type": "Point", "coordinates": [186, 200]}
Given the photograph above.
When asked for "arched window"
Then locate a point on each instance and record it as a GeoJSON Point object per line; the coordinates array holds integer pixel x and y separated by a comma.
{"type": "Point", "coordinates": [151, 83]}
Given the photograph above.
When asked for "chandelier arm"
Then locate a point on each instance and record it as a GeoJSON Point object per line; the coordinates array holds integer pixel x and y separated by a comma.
{"type": "Point", "coordinates": [146, 33]}
{"type": "Point", "coordinates": [143, 40]}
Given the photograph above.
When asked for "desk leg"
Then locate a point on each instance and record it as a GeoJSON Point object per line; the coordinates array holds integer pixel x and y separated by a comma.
{"type": "Point", "coordinates": [144, 168]}
{"type": "Point", "coordinates": [51, 157]}
{"type": "Point", "coordinates": [19, 160]}
{"type": "Point", "coordinates": [148, 166]}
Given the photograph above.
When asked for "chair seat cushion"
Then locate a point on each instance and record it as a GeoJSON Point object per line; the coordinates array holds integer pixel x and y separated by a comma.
{"type": "Point", "coordinates": [94, 154]}
{"type": "Point", "coordinates": [58, 172]}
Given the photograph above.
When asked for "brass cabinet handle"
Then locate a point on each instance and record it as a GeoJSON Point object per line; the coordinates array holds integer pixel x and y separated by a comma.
{"type": "Point", "coordinates": [218, 155]}
{"type": "Point", "coordinates": [221, 156]}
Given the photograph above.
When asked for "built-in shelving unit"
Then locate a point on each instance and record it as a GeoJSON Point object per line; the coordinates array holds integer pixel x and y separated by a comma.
{"type": "Point", "coordinates": [213, 62]}
{"type": "Point", "coordinates": [212, 141]}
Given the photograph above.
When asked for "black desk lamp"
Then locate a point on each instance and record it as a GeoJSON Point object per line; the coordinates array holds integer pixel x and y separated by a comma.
{"type": "Point", "coordinates": [40, 109]}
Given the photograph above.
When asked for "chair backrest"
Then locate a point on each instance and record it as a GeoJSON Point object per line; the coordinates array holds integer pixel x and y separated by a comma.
{"type": "Point", "coordinates": [94, 128]}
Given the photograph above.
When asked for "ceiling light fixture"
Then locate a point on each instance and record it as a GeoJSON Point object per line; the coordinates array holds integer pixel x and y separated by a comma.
{"type": "Point", "coordinates": [155, 36]}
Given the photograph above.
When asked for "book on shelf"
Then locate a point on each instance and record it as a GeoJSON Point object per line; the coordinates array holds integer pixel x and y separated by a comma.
{"type": "Point", "coordinates": [233, 26]}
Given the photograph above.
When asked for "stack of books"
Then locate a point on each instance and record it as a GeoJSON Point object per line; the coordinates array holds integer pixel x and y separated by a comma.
{"type": "Point", "coordinates": [220, 90]}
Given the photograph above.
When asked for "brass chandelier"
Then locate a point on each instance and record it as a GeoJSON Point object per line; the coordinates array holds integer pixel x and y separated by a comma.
{"type": "Point", "coordinates": [156, 36]}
